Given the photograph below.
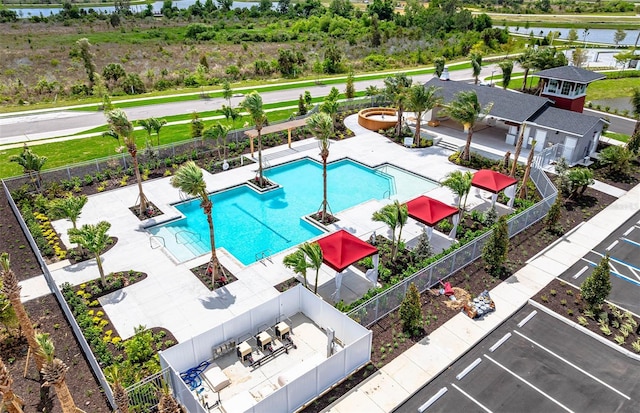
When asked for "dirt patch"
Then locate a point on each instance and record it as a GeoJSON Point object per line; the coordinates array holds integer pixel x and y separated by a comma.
{"type": "Point", "coordinates": [285, 285]}
{"type": "Point", "coordinates": [150, 212]}
{"type": "Point", "coordinates": [622, 181]}
{"type": "Point", "coordinates": [205, 278]}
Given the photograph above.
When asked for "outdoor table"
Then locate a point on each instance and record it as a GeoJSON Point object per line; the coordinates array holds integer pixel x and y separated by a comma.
{"type": "Point", "coordinates": [282, 329]}
{"type": "Point", "coordinates": [263, 340]}
{"type": "Point", "coordinates": [244, 350]}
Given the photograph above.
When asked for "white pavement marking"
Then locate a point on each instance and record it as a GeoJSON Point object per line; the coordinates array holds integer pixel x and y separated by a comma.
{"type": "Point", "coordinates": [500, 342]}
{"type": "Point", "coordinates": [529, 384]}
{"type": "Point", "coordinates": [630, 267]}
{"type": "Point", "coordinates": [432, 400]}
{"type": "Point", "coordinates": [572, 365]}
{"type": "Point", "coordinates": [527, 318]}
{"type": "Point", "coordinates": [613, 244]}
{"type": "Point", "coordinates": [627, 232]}
{"type": "Point", "coordinates": [590, 262]}
{"type": "Point", "coordinates": [630, 241]}
{"type": "Point", "coordinates": [582, 271]}
{"type": "Point", "coordinates": [470, 367]}
{"type": "Point", "coordinates": [472, 399]}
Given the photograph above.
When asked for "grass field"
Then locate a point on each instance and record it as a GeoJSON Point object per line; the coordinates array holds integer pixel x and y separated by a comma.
{"type": "Point", "coordinates": [602, 89]}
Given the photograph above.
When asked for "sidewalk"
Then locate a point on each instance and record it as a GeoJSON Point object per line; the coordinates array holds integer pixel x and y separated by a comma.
{"type": "Point", "coordinates": [399, 379]}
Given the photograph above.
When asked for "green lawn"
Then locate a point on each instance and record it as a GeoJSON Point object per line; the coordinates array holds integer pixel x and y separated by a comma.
{"type": "Point", "coordinates": [601, 89]}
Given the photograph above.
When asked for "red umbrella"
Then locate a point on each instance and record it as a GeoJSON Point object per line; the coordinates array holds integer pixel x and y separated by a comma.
{"type": "Point", "coordinates": [429, 211]}
{"type": "Point", "coordinates": [341, 249]}
{"type": "Point", "coordinates": [492, 181]}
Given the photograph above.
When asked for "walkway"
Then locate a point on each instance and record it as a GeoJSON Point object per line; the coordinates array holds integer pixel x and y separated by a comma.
{"type": "Point", "coordinates": [412, 369]}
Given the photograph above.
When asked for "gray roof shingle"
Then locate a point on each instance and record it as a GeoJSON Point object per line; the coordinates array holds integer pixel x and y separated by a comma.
{"type": "Point", "coordinates": [566, 120]}
{"type": "Point", "coordinates": [570, 73]}
{"type": "Point", "coordinates": [507, 105]}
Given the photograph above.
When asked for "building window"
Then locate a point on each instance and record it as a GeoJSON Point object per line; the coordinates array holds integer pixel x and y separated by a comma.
{"type": "Point", "coordinates": [580, 90]}
{"type": "Point", "coordinates": [553, 86]}
{"type": "Point", "coordinates": [566, 88]}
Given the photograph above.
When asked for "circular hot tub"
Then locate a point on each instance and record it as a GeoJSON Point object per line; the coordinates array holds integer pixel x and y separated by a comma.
{"type": "Point", "coordinates": [378, 118]}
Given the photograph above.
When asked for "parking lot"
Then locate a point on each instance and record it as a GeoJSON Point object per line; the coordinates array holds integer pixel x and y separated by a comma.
{"type": "Point", "coordinates": [623, 246]}
{"type": "Point", "coordinates": [534, 363]}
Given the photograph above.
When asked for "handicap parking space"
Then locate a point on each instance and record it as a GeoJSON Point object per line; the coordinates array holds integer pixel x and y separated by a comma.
{"type": "Point", "coordinates": [623, 246]}
{"type": "Point", "coordinates": [532, 363]}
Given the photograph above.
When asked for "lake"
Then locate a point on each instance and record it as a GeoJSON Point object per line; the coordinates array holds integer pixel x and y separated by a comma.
{"type": "Point", "coordinates": [594, 35]}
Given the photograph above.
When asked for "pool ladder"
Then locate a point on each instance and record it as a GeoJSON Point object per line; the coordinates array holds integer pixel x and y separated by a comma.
{"type": "Point", "coordinates": [264, 255]}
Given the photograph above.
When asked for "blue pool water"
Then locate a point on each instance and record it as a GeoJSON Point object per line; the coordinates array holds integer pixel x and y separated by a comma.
{"type": "Point", "coordinates": [251, 225]}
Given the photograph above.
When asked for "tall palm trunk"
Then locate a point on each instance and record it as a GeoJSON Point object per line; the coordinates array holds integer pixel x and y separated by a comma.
{"type": "Point", "coordinates": [213, 263]}
{"type": "Point", "coordinates": [261, 178]}
{"type": "Point", "coordinates": [527, 171]}
{"type": "Point", "coordinates": [66, 400]}
{"type": "Point", "coordinates": [524, 80]}
{"type": "Point", "coordinates": [418, 135]}
{"type": "Point", "coordinates": [143, 198]}
{"type": "Point", "coordinates": [400, 112]}
{"type": "Point", "coordinates": [466, 154]}
{"type": "Point", "coordinates": [11, 402]}
{"type": "Point", "coordinates": [324, 155]}
{"type": "Point", "coordinates": [514, 167]}
{"type": "Point", "coordinates": [101, 270]}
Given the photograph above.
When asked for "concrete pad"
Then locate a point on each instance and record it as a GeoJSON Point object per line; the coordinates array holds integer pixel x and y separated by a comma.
{"type": "Point", "coordinates": [445, 343]}
{"type": "Point", "coordinates": [465, 328]}
{"type": "Point", "coordinates": [34, 287]}
{"type": "Point", "coordinates": [586, 237]}
{"type": "Point", "coordinates": [549, 266]}
{"type": "Point", "coordinates": [509, 294]}
{"type": "Point", "coordinates": [407, 373]}
{"type": "Point", "coordinates": [567, 252]}
{"type": "Point", "coordinates": [529, 281]}
{"type": "Point", "coordinates": [429, 358]}
{"type": "Point", "coordinates": [356, 401]}
{"type": "Point", "coordinates": [384, 391]}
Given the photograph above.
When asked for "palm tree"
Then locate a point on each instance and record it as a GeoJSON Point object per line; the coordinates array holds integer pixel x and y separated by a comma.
{"type": "Point", "coordinates": [252, 103]}
{"type": "Point", "coordinates": [111, 134]}
{"type": "Point", "coordinates": [372, 91]}
{"type": "Point", "coordinates": [54, 373]}
{"type": "Point", "coordinates": [217, 132]}
{"type": "Point", "coordinates": [227, 92]}
{"type": "Point", "coordinates": [11, 402]}
{"type": "Point", "coordinates": [120, 396]}
{"type": "Point", "coordinates": [395, 215]}
{"type": "Point", "coordinates": [460, 184]}
{"type": "Point", "coordinates": [526, 61]}
{"type": "Point", "coordinates": [297, 261]}
{"type": "Point", "coordinates": [68, 208]}
{"type": "Point", "coordinates": [507, 68]}
{"type": "Point", "coordinates": [146, 125]}
{"type": "Point", "coordinates": [156, 125]}
{"type": "Point", "coordinates": [476, 65]}
{"type": "Point", "coordinates": [422, 100]}
{"type": "Point", "coordinates": [330, 105]}
{"type": "Point", "coordinates": [31, 164]}
{"type": "Point", "coordinates": [93, 238]}
{"type": "Point", "coordinates": [119, 123]}
{"type": "Point", "coordinates": [396, 90]}
{"type": "Point", "coordinates": [314, 255]}
{"type": "Point", "coordinates": [188, 178]}
{"type": "Point", "coordinates": [167, 403]}
{"type": "Point", "coordinates": [11, 289]}
{"type": "Point", "coordinates": [322, 126]}
{"type": "Point", "coordinates": [466, 109]}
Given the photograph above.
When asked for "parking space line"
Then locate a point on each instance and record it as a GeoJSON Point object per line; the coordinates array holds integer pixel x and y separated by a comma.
{"type": "Point", "coordinates": [527, 318]}
{"type": "Point", "coordinates": [572, 365]}
{"type": "Point", "coordinates": [617, 274]}
{"type": "Point", "coordinates": [613, 244]}
{"type": "Point", "coordinates": [627, 232]}
{"type": "Point", "coordinates": [468, 369]}
{"type": "Point", "coordinates": [579, 273]}
{"type": "Point", "coordinates": [471, 398]}
{"type": "Point", "coordinates": [529, 384]}
{"type": "Point", "coordinates": [432, 400]}
{"type": "Point", "coordinates": [500, 342]}
{"type": "Point", "coordinates": [630, 241]}
{"type": "Point", "coordinates": [631, 267]}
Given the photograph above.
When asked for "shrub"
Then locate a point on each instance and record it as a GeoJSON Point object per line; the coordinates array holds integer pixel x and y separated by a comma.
{"type": "Point", "coordinates": [580, 179]}
{"type": "Point", "coordinates": [496, 248]}
{"type": "Point", "coordinates": [552, 219]}
{"type": "Point", "coordinates": [411, 311]}
{"type": "Point", "coordinates": [596, 288]}
{"type": "Point", "coordinates": [617, 158]}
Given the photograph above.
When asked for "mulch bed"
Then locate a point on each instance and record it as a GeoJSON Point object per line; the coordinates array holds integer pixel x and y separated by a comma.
{"type": "Point", "coordinates": [201, 273]}
{"type": "Point", "coordinates": [285, 285]}
{"type": "Point", "coordinates": [565, 300]}
{"type": "Point", "coordinates": [150, 212]}
{"type": "Point", "coordinates": [388, 339]}
{"type": "Point", "coordinates": [622, 181]}
{"type": "Point", "coordinates": [13, 241]}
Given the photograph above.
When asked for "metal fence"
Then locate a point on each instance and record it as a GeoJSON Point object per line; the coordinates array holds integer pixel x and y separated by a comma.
{"type": "Point", "coordinates": [388, 301]}
{"type": "Point", "coordinates": [144, 395]}
{"type": "Point", "coordinates": [63, 303]}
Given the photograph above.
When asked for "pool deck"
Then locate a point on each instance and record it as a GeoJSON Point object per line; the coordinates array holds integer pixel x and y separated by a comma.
{"type": "Point", "coordinates": [171, 297]}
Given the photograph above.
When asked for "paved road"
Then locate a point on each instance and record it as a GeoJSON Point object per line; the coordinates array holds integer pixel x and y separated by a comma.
{"type": "Point", "coordinates": [623, 246]}
{"type": "Point", "coordinates": [61, 123]}
{"type": "Point", "coordinates": [541, 366]}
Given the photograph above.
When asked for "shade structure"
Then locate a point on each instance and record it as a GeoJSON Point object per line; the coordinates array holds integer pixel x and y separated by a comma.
{"type": "Point", "coordinates": [429, 211]}
{"type": "Point", "coordinates": [341, 249]}
{"type": "Point", "coordinates": [492, 181]}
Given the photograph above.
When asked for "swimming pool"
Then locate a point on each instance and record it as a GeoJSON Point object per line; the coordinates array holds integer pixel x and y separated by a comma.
{"type": "Point", "coordinates": [250, 225]}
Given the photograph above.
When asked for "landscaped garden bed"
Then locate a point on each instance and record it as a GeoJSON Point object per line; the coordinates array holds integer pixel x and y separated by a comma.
{"type": "Point", "coordinates": [205, 277]}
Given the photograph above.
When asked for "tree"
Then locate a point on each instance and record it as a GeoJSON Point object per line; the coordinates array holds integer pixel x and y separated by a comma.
{"type": "Point", "coordinates": [11, 402]}
{"type": "Point", "coordinates": [225, 5]}
{"type": "Point", "coordinates": [411, 311]}
{"type": "Point", "coordinates": [372, 91]}
{"type": "Point", "coordinates": [156, 125]}
{"type": "Point", "coordinates": [284, 6]}
{"type": "Point", "coordinates": [438, 63]}
{"type": "Point", "coordinates": [87, 58]}
{"type": "Point", "coordinates": [197, 125]}
{"type": "Point", "coordinates": [68, 208]}
{"type": "Point", "coordinates": [11, 289]}
{"type": "Point", "coordinates": [466, 109]}
{"type": "Point", "coordinates": [189, 179]}
{"type": "Point", "coordinates": [31, 164]}
{"type": "Point", "coordinates": [252, 103]}
{"type": "Point", "coordinates": [633, 144]}
{"type": "Point", "coordinates": [376, 36]}
{"type": "Point", "coordinates": [217, 132]}
{"type": "Point", "coordinates": [552, 220]}
{"type": "Point", "coordinates": [423, 249]}
{"type": "Point", "coordinates": [580, 179]}
{"type": "Point", "coordinates": [313, 252]}
{"type": "Point", "coordinates": [495, 250]}
{"type": "Point", "coordinates": [321, 125]}
{"type": "Point", "coordinates": [119, 123]}
{"type": "Point", "coordinates": [382, 8]}
{"type": "Point", "coordinates": [54, 374]}
{"type": "Point", "coordinates": [623, 58]}
{"type": "Point", "coordinates": [332, 58]}
{"type": "Point", "coordinates": [166, 402]}
{"type": "Point", "coordinates": [525, 60]}
{"type": "Point", "coordinates": [302, 107]}
{"type": "Point", "coordinates": [146, 125]}
{"type": "Point", "coordinates": [579, 57]}
{"type": "Point", "coordinates": [93, 238]}
{"type": "Point", "coordinates": [113, 374]}
{"type": "Point", "coordinates": [395, 216]}
{"type": "Point", "coordinates": [507, 68]}
{"type": "Point", "coordinates": [635, 100]}
{"type": "Point", "coordinates": [330, 105]}
{"type": "Point", "coordinates": [297, 261]}
{"type": "Point", "coordinates": [619, 36]}
{"type": "Point", "coordinates": [350, 90]}
{"type": "Point", "coordinates": [597, 286]}
{"type": "Point", "coordinates": [572, 36]}
{"type": "Point", "coordinates": [617, 158]}
{"type": "Point", "coordinates": [396, 88]}
{"type": "Point", "coordinates": [459, 183]}
{"type": "Point", "coordinates": [476, 65]}
{"type": "Point", "coordinates": [264, 6]}
{"type": "Point", "coordinates": [421, 100]}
